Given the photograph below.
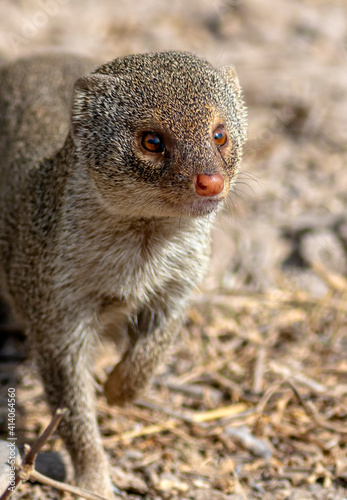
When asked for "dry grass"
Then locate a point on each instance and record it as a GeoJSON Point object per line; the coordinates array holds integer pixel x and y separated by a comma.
{"type": "Point", "coordinates": [253, 403]}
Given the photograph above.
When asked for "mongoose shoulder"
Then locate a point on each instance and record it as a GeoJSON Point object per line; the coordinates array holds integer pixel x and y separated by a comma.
{"type": "Point", "coordinates": [105, 221]}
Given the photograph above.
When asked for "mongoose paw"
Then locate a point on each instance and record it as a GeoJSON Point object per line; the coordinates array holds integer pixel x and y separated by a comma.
{"type": "Point", "coordinates": [121, 387]}
{"type": "Point", "coordinates": [101, 485]}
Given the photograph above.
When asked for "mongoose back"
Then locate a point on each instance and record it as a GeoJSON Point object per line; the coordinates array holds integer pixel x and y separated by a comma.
{"type": "Point", "coordinates": [105, 217]}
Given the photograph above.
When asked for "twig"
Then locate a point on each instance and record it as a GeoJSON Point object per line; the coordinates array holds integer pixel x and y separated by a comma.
{"type": "Point", "coordinates": [27, 465]}
{"type": "Point", "coordinates": [335, 281]}
{"type": "Point", "coordinates": [196, 418]}
{"type": "Point", "coordinates": [227, 384]}
{"type": "Point", "coordinates": [224, 411]}
{"type": "Point", "coordinates": [282, 298]}
{"type": "Point", "coordinates": [312, 412]}
{"type": "Point", "coordinates": [30, 457]}
{"type": "Point", "coordinates": [288, 374]}
{"type": "Point", "coordinates": [259, 370]}
{"type": "Point", "coordinates": [167, 411]}
{"type": "Point", "coordinates": [195, 391]}
{"type": "Point", "coordinates": [145, 431]}
{"type": "Point", "coordinates": [88, 495]}
{"type": "Point", "coordinates": [308, 406]}
{"type": "Point", "coordinates": [273, 389]}
{"type": "Point", "coordinates": [27, 471]}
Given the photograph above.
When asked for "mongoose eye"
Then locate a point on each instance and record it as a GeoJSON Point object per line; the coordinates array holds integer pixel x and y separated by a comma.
{"type": "Point", "coordinates": [153, 142]}
{"type": "Point", "coordinates": [220, 136]}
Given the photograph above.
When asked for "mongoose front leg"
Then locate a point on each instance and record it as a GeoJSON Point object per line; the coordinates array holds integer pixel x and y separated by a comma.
{"type": "Point", "coordinates": [64, 363]}
{"type": "Point", "coordinates": [150, 335]}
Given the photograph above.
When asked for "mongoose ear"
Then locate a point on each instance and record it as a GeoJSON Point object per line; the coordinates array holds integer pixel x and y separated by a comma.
{"type": "Point", "coordinates": [230, 75]}
{"type": "Point", "coordinates": [85, 93]}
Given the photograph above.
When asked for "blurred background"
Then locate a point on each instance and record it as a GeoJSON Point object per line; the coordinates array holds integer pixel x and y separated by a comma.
{"type": "Point", "coordinates": [273, 308]}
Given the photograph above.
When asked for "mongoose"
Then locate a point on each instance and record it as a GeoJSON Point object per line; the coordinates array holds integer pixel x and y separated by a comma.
{"type": "Point", "coordinates": [105, 221]}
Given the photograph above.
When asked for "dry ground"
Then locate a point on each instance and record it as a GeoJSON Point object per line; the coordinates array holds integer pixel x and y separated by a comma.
{"type": "Point", "coordinates": [253, 401]}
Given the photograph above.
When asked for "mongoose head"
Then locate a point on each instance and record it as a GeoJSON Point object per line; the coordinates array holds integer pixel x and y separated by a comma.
{"type": "Point", "coordinates": [160, 134]}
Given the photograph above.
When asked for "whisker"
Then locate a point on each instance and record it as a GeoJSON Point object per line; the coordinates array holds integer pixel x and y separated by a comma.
{"type": "Point", "coordinates": [238, 192]}
{"type": "Point", "coordinates": [250, 177]}
{"type": "Point", "coordinates": [240, 183]}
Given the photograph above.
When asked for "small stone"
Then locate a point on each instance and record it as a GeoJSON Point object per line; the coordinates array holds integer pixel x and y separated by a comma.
{"type": "Point", "coordinates": [50, 463]}
{"type": "Point", "coordinates": [243, 435]}
{"type": "Point", "coordinates": [324, 246]}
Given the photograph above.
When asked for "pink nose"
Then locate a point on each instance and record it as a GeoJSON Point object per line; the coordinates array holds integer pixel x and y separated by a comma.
{"type": "Point", "coordinates": [209, 185]}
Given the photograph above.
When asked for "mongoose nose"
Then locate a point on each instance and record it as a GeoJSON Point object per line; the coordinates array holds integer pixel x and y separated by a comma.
{"type": "Point", "coordinates": [209, 185]}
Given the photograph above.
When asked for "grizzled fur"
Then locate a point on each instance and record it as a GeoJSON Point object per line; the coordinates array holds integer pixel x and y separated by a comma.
{"type": "Point", "coordinates": [98, 235]}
